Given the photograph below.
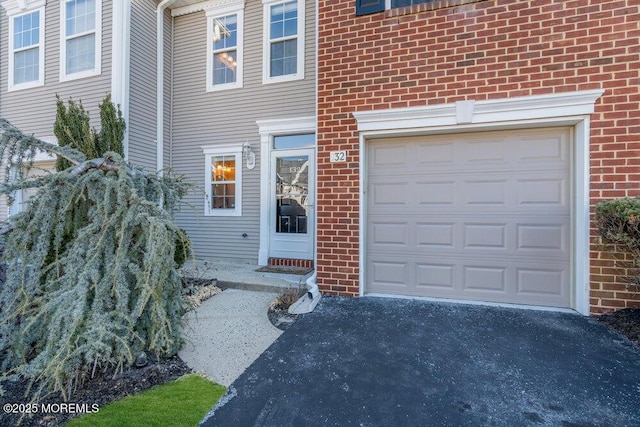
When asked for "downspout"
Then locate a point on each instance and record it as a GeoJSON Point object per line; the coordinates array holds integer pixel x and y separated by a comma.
{"type": "Point", "coordinates": [308, 302]}
{"type": "Point", "coordinates": [171, 71]}
{"type": "Point", "coordinates": [120, 62]}
{"type": "Point", "coordinates": [160, 83]}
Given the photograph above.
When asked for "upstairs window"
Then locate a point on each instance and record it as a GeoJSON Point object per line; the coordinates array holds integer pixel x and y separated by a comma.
{"type": "Point", "coordinates": [365, 7]}
{"type": "Point", "coordinates": [284, 40]}
{"type": "Point", "coordinates": [26, 48]}
{"type": "Point", "coordinates": [80, 39]}
{"type": "Point", "coordinates": [225, 41]}
{"type": "Point", "coordinates": [404, 3]}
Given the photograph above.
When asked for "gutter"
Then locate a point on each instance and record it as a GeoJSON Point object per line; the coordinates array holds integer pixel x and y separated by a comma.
{"type": "Point", "coordinates": [160, 83]}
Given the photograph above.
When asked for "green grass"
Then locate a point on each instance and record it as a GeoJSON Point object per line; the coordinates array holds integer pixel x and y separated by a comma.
{"type": "Point", "coordinates": [183, 402]}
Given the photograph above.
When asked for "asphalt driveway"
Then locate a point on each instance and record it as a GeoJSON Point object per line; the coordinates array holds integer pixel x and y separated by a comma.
{"type": "Point", "coordinates": [391, 362]}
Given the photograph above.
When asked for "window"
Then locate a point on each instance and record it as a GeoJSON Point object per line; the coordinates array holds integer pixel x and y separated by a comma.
{"type": "Point", "coordinates": [223, 181]}
{"type": "Point", "coordinates": [284, 40]}
{"type": "Point", "coordinates": [80, 38]}
{"type": "Point", "coordinates": [294, 141]}
{"type": "Point", "coordinates": [403, 3]}
{"type": "Point", "coordinates": [365, 7]}
{"type": "Point", "coordinates": [26, 48]}
{"type": "Point", "coordinates": [224, 51]}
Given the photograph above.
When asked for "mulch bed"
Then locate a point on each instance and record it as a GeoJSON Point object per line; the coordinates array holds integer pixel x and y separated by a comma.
{"type": "Point", "coordinates": [280, 318]}
{"type": "Point", "coordinates": [626, 322]}
{"type": "Point", "coordinates": [101, 390]}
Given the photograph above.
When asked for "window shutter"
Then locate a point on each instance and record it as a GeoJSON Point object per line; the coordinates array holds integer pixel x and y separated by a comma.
{"type": "Point", "coordinates": [365, 7]}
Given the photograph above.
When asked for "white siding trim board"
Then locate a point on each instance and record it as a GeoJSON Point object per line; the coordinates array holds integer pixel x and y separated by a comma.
{"type": "Point", "coordinates": [565, 109]}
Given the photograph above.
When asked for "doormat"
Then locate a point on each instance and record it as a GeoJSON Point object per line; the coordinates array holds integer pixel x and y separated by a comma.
{"type": "Point", "coordinates": [285, 269]}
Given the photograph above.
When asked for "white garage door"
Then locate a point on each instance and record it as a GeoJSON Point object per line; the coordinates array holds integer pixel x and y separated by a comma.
{"type": "Point", "coordinates": [480, 216]}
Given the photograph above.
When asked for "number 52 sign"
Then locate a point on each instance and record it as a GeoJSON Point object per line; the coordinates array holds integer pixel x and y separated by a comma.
{"type": "Point", "coordinates": [337, 156]}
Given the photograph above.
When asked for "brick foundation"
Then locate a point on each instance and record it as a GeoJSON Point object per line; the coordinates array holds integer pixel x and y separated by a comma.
{"type": "Point", "coordinates": [305, 263]}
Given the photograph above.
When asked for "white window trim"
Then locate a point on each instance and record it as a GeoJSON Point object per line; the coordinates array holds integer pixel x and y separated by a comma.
{"type": "Point", "coordinates": [237, 9]}
{"type": "Point", "coordinates": [16, 9]}
{"type": "Point", "coordinates": [97, 69]}
{"type": "Point", "coordinates": [266, 48]}
{"type": "Point", "coordinates": [222, 150]}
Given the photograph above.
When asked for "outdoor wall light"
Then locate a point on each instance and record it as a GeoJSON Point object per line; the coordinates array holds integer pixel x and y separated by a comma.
{"type": "Point", "coordinates": [249, 155]}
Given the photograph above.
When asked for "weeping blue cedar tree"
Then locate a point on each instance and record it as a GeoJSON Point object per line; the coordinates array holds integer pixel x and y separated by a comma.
{"type": "Point", "coordinates": [92, 261]}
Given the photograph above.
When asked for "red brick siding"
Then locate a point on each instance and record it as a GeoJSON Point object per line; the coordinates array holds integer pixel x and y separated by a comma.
{"type": "Point", "coordinates": [419, 56]}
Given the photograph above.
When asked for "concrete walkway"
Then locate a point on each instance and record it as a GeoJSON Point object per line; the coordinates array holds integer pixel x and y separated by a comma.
{"type": "Point", "coordinates": [230, 330]}
{"type": "Point", "coordinates": [227, 333]}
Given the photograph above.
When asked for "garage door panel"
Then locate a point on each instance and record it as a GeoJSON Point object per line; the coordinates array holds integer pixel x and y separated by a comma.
{"type": "Point", "coordinates": [485, 236]}
{"type": "Point", "coordinates": [488, 279]}
{"type": "Point", "coordinates": [434, 235]}
{"type": "Point", "coordinates": [480, 217]}
{"type": "Point", "coordinates": [540, 282]}
{"type": "Point", "coordinates": [483, 151]}
{"type": "Point", "coordinates": [435, 155]}
{"type": "Point", "coordinates": [435, 277]}
{"type": "Point", "coordinates": [548, 238]}
{"type": "Point", "coordinates": [395, 194]}
{"type": "Point", "coordinates": [435, 193]}
{"type": "Point", "coordinates": [385, 234]}
{"type": "Point", "coordinates": [542, 147]}
{"type": "Point", "coordinates": [388, 156]}
{"type": "Point", "coordinates": [542, 191]}
{"type": "Point", "coordinates": [485, 192]}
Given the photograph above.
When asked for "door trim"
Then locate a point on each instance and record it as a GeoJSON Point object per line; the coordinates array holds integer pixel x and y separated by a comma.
{"type": "Point", "coordinates": [268, 129]}
{"type": "Point", "coordinates": [309, 236]}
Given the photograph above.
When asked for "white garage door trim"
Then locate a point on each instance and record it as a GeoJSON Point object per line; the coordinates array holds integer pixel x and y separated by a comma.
{"type": "Point", "coordinates": [566, 109]}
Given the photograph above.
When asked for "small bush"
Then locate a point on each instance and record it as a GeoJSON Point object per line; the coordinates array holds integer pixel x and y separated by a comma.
{"type": "Point", "coordinates": [288, 297]}
{"type": "Point", "coordinates": [618, 224]}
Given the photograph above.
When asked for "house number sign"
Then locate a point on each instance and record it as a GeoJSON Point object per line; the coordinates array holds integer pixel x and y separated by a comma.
{"type": "Point", "coordinates": [338, 156]}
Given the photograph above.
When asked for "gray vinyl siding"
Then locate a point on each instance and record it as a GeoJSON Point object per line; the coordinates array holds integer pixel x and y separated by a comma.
{"type": "Point", "coordinates": [34, 110]}
{"type": "Point", "coordinates": [229, 117]}
{"type": "Point", "coordinates": [142, 85]}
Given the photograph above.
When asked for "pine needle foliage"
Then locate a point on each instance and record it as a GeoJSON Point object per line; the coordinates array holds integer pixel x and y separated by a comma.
{"type": "Point", "coordinates": [72, 129]}
{"type": "Point", "coordinates": [92, 267]}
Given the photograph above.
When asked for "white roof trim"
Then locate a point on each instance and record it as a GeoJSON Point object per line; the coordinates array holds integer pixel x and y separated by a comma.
{"type": "Point", "coordinates": [480, 112]}
{"type": "Point", "coordinates": [211, 6]}
{"type": "Point", "coordinates": [13, 7]}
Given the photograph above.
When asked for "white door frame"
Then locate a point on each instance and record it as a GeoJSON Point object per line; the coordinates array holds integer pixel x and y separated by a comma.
{"type": "Point", "coordinates": [268, 129]}
{"type": "Point", "coordinates": [562, 109]}
{"type": "Point", "coordinates": [300, 240]}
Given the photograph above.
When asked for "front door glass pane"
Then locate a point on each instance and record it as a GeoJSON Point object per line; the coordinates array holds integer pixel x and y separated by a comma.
{"type": "Point", "coordinates": [292, 189]}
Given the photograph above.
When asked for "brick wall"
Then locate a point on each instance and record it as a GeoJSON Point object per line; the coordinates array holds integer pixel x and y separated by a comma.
{"type": "Point", "coordinates": [425, 55]}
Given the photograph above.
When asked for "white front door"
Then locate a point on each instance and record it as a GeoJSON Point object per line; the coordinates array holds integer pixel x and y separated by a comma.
{"type": "Point", "coordinates": [292, 198]}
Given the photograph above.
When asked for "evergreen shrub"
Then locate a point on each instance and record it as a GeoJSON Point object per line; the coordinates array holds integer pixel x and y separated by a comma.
{"type": "Point", "coordinates": [92, 262]}
{"type": "Point", "coordinates": [618, 224]}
